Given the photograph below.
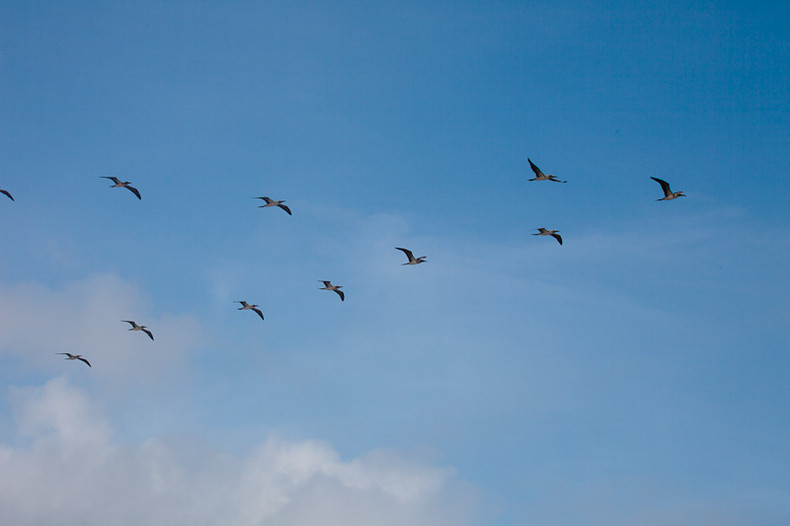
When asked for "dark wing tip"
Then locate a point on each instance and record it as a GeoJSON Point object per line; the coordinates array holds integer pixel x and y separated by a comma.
{"type": "Point", "coordinates": [534, 167]}
{"type": "Point", "coordinates": [409, 253]}
{"type": "Point", "coordinates": [659, 181]}
{"type": "Point", "coordinates": [664, 185]}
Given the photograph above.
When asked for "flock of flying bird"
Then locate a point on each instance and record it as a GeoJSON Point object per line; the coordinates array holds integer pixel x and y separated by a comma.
{"type": "Point", "coordinates": [540, 176]}
{"type": "Point", "coordinates": [411, 260]}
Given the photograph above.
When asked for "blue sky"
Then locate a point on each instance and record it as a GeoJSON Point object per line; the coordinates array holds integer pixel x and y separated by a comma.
{"type": "Point", "coordinates": [637, 374]}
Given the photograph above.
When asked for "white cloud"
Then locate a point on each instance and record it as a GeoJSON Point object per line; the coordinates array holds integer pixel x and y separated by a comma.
{"type": "Point", "coordinates": [70, 470]}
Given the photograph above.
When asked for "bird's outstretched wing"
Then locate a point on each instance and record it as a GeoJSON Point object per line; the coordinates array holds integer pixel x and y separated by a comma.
{"type": "Point", "coordinates": [406, 251]}
{"type": "Point", "coordinates": [111, 178]}
{"type": "Point", "coordinates": [149, 333]}
{"type": "Point", "coordinates": [80, 358]}
{"type": "Point", "coordinates": [535, 168]}
{"type": "Point", "coordinates": [6, 193]}
{"type": "Point", "coordinates": [258, 312]}
{"type": "Point", "coordinates": [340, 293]}
{"type": "Point", "coordinates": [557, 237]}
{"type": "Point", "coordinates": [134, 191]}
{"type": "Point", "coordinates": [664, 185]}
{"type": "Point", "coordinates": [285, 208]}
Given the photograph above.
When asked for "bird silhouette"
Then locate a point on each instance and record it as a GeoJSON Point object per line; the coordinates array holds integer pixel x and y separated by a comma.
{"type": "Point", "coordinates": [79, 357]}
{"type": "Point", "coordinates": [328, 286]}
{"type": "Point", "coordinates": [136, 327]}
{"type": "Point", "coordinates": [272, 202]}
{"type": "Point", "coordinates": [412, 259]}
{"type": "Point", "coordinates": [540, 176]}
{"type": "Point", "coordinates": [124, 184]}
{"type": "Point", "coordinates": [668, 194]}
{"type": "Point", "coordinates": [247, 306]}
{"type": "Point", "coordinates": [552, 233]}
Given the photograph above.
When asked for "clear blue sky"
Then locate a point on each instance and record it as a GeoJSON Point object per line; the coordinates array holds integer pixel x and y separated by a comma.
{"type": "Point", "coordinates": [637, 374]}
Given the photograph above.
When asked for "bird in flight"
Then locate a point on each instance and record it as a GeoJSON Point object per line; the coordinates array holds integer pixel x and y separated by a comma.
{"type": "Point", "coordinates": [540, 176]}
{"type": "Point", "coordinates": [412, 259]}
{"type": "Point", "coordinates": [552, 233]}
{"type": "Point", "coordinates": [328, 286]}
{"type": "Point", "coordinates": [247, 306]}
{"type": "Point", "coordinates": [79, 357]}
{"type": "Point", "coordinates": [136, 327]}
{"type": "Point", "coordinates": [668, 194]}
{"type": "Point", "coordinates": [272, 202]}
{"type": "Point", "coordinates": [6, 193]}
{"type": "Point", "coordinates": [124, 184]}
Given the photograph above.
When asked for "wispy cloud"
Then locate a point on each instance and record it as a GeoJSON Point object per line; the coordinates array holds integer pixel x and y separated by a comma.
{"type": "Point", "coordinates": [84, 317]}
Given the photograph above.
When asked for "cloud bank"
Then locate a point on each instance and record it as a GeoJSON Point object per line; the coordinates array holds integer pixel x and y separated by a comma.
{"type": "Point", "coordinates": [65, 467]}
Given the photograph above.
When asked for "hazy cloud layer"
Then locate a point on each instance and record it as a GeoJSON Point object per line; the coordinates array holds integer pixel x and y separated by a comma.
{"type": "Point", "coordinates": [84, 317]}
{"type": "Point", "coordinates": [68, 469]}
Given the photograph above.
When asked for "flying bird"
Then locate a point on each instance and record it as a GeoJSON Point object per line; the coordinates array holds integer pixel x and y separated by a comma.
{"type": "Point", "coordinates": [328, 286]}
{"type": "Point", "coordinates": [79, 357]}
{"type": "Point", "coordinates": [124, 184]}
{"type": "Point", "coordinates": [412, 259]}
{"type": "Point", "coordinates": [668, 194]}
{"type": "Point", "coordinates": [540, 176]}
{"type": "Point", "coordinates": [6, 193]}
{"type": "Point", "coordinates": [552, 233]}
{"type": "Point", "coordinates": [136, 327]}
{"type": "Point", "coordinates": [272, 202]}
{"type": "Point", "coordinates": [247, 306]}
